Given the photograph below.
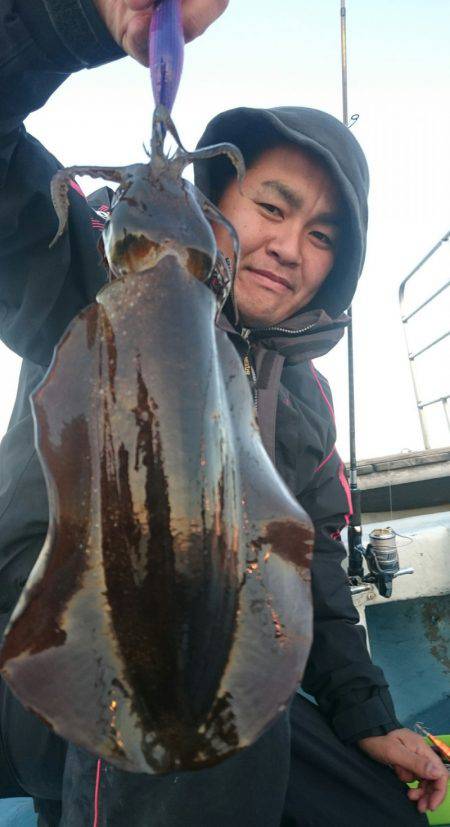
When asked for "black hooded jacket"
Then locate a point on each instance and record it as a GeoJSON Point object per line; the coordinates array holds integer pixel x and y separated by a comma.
{"type": "Point", "coordinates": [42, 289]}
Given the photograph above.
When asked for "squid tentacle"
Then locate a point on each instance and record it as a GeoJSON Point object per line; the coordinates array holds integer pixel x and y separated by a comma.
{"type": "Point", "coordinates": [60, 185]}
{"type": "Point", "coordinates": [162, 123]}
{"type": "Point", "coordinates": [213, 213]}
{"type": "Point", "coordinates": [232, 152]}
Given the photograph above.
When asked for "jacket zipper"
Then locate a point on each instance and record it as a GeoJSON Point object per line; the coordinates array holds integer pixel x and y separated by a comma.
{"type": "Point", "coordinates": [282, 330]}
{"type": "Point", "coordinates": [249, 370]}
{"type": "Point", "coordinates": [246, 359]}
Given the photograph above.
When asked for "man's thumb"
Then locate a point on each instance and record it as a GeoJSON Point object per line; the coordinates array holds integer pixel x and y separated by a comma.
{"type": "Point", "coordinates": [432, 770]}
{"type": "Point", "coordinates": [419, 765]}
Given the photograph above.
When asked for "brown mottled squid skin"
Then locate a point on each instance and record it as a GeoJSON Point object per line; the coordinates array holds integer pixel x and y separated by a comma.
{"type": "Point", "coordinates": [168, 618]}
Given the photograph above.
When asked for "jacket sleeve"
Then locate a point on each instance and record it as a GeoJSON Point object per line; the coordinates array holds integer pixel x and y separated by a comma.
{"type": "Point", "coordinates": [351, 691]}
{"type": "Point", "coordinates": [41, 43]}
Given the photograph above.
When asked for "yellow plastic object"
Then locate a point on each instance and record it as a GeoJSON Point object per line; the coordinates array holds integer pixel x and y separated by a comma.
{"type": "Point", "coordinates": [441, 816]}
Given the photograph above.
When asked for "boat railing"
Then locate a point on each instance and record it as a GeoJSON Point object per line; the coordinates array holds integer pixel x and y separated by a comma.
{"type": "Point", "coordinates": [414, 354]}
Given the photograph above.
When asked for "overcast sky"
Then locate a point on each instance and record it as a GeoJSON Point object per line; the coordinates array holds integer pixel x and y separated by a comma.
{"type": "Point", "coordinates": [265, 54]}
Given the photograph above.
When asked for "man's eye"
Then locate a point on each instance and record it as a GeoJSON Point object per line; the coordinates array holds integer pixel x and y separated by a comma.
{"type": "Point", "coordinates": [270, 208]}
{"type": "Point", "coordinates": [323, 237]}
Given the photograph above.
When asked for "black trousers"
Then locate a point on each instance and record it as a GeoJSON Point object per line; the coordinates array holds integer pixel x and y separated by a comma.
{"type": "Point", "coordinates": [298, 774]}
{"type": "Point", "coordinates": [334, 785]}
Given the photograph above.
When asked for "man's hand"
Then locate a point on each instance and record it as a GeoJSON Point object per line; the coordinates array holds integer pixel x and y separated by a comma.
{"type": "Point", "coordinates": [411, 758]}
{"type": "Point", "coordinates": [128, 21]}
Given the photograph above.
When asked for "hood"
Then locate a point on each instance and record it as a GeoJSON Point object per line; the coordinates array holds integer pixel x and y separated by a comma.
{"type": "Point", "coordinates": [345, 159]}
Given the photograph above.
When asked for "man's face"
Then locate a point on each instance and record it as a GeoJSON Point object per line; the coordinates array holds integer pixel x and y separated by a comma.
{"type": "Point", "coordinates": [288, 223]}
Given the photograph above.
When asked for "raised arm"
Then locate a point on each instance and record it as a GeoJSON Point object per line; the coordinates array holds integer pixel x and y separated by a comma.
{"type": "Point", "coordinates": [41, 289]}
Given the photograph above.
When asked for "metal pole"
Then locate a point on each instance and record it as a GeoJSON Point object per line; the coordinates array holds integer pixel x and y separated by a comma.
{"type": "Point", "coordinates": [351, 402]}
{"type": "Point", "coordinates": [401, 292]}
{"type": "Point", "coordinates": [355, 560]}
{"type": "Point", "coordinates": [445, 406]}
{"type": "Point", "coordinates": [422, 417]}
{"type": "Point", "coordinates": [344, 62]}
{"type": "Point", "coordinates": [412, 356]}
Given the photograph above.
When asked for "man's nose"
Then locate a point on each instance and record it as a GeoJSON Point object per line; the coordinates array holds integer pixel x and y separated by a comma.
{"type": "Point", "coordinates": [285, 246]}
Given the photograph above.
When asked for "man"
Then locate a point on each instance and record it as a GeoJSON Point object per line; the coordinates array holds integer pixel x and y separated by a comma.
{"type": "Point", "coordinates": [302, 222]}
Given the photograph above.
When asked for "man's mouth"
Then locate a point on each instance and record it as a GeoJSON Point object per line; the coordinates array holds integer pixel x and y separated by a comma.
{"type": "Point", "coordinates": [268, 275]}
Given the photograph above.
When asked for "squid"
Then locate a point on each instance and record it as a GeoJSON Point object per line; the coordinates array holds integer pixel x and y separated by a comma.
{"type": "Point", "coordinates": [167, 621]}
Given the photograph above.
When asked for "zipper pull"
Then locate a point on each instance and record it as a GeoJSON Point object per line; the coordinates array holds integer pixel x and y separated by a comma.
{"type": "Point", "coordinates": [245, 333]}
{"type": "Point", "coordinates": [247, 366]}
{"type": "Point", "coordinates": [251, 375]}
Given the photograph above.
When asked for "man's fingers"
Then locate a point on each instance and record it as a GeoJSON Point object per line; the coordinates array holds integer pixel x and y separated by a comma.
{"type": "Point", "coordinates": [422, 766]}
{"type": "Point", "coordinates": [411, 758]}
{"type": "Point", "coordinates": [198, 15]}
{"type": "Point", "coordinates": [404, 775]}
{"type": "Point", "coordinates": [429, 794]}
{"type": "Point", "coordinates": [438, 793]}
{"type": "Point", "coordinates": [420, 797]}
{"type": "Point", "coordinates": [424, 803]}
{"type": "Point", "coordinates": [139, 5]}
{"type": "Point", "coordinates": [415, 793]}
{"type": "Point", "coordinates": [135, 41]}
{"type": "Point", "coordinates": [434, 778]}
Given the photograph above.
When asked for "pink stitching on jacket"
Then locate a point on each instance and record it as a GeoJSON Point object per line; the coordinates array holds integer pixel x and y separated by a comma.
{"type": "Point", "coordinates": [346, 487]}
{"type": "Point", "coordinates": [327, 459]}
{"type": "Point", "coordinates": [97, 792]}
{"type": "Point", "coordinates": [77, 188]}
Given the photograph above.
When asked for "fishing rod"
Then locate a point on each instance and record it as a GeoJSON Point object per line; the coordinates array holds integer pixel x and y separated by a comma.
{"type": "Point", "coordinates": [355, 556]}
{"type": "Point", "coordinates": [381, 553]}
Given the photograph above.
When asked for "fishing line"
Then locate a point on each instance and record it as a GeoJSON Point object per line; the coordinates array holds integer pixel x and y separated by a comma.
{"type": "Point", "coordinates": [397, 533]}
{"type": "Point", "coordinates": [405, 537]}
{"type": "Point", "coordinates": [390, 491]}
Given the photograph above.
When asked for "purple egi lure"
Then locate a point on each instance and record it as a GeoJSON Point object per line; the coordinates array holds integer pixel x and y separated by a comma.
{"type": "Point", "coordinates": [166, 51]}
